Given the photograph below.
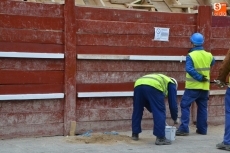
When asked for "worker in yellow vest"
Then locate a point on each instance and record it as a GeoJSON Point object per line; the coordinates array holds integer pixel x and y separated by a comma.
{"type": "Point", "coordinates": [150, 92]}
{"type": "Point", "coordinates": [197, 86]}
{"type": "Point", "coordinates": [223, 73]}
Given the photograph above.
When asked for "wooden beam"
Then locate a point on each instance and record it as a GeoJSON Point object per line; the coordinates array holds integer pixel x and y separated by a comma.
{"type": "Point", "coordinates": [139, 5]}
{"type": "Point", "coordinates": [182, 6]}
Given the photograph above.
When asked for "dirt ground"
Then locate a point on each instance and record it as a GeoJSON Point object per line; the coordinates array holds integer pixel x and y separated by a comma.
{"type": "Point", "coordinates": [100, 139]}
{"type": "Point", "coordinates": [125, 137]}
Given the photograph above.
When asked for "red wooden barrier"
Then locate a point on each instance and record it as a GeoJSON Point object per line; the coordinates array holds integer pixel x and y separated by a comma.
{"type": "Point", "coordinates": [72, 31]}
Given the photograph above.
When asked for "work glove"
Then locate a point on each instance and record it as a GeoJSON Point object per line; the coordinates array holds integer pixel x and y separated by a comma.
{"type": "Point", "coordinates": [220, 83]}
{"type": "Point", "coordinates": [204, 79]}
{"type": "Point", "coordinates": [176, 121]}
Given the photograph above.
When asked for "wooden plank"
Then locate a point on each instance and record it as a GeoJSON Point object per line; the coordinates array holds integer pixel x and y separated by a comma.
{"type": "Point", "coordinates": [182, 6]}
{"type": "Point", "coordinates": [88, 13]}
{"type": "Point", "coordinates": [161, 6]}
{"type": "Point", "coordinates": [31, 64]}
{"type": "Point", "coordinates": [79, 2]}
{"type": "Point", "coordinates": [120, 1]}
{"type": "Point", "coordinates": [31, 9]}
{"type": "Point", "coordinates": [129, 50]}
{"type": "Point", "coordinates": [31, 89]}
{"type": "Point", "coordinates": [31, 47]}
{"type": "Point", "coordinates": [31, 22]}
{"type": "Point", "coordinates": [100, 3]}
{"type": "Point", "coordinates": [32, 36]}
{"type": "Point", "coordinates": [169, 3]}
{"type": "Point", "coordinates": [130, 40]}
{"type": "Point", "coordinates": [108, 27]}
{"type": "Point", "coordinates": [139, 6]}
{"type": "Point", "coordinates": [31, 77]}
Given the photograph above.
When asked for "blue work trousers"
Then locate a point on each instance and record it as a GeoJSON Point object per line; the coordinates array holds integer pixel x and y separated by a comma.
{"type": "Point", "coordinates": [153, 100]}
{"type": "Point", "coordinates": [227, 118]}
{"type": "Point", "coordinates": [201, 99]}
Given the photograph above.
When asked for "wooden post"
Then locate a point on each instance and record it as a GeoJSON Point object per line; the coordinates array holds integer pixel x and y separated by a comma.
{"type": "Point", "coordinates": [70, 65]}
{"type": "Point", "coordinates": [204, 23]}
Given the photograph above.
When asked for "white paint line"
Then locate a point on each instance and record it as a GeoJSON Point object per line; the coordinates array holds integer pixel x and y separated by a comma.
{"type": "Point", "coordinates": [137, 57]}
{"type": "Point", "coordinates": [130, 93]}
{"type": "Point", "coordinates": [157, 58]}
{"type": "Point", "coordinates": [31, 55]}
{"type": "Point", "coordinates": [102, 57]}
{"type": "Point", "coordinates": [219, 58]}
{"type": "Point", "coordinates": [31, 96]}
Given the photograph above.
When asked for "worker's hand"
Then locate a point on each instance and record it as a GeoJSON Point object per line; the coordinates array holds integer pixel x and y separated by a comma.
{"type": "Point", "coordinates": [220, 83]}
{"type": "Point", "coordinates": [175, 122]}
{"type": "Point", "coordinates": [204, 79]}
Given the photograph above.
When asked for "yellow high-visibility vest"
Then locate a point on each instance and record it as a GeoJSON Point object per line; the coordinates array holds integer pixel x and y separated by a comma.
{"type": "Point", "coordinates": [158, 81]}
{"type": "Point", "coordinates": [202, 61]}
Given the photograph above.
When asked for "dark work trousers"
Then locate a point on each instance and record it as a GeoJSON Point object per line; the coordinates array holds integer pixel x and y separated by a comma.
{"type": "Point", "coordinates": [201, 99]}
{"type": "Point", "coordinates": [227, 118]}
{"type": "Point", "coordinates": [153, 100]}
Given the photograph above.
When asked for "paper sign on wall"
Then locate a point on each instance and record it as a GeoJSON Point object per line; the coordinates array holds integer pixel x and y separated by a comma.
{"type": "Point", "coordinates": [161, 34]}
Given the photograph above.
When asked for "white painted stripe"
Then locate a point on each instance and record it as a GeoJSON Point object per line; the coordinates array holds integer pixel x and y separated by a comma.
{"type": "Point", "coordinates": [31, 96]}
{"type": "Point", "coordinates": [102, 57]}
{"type": "Point", "coordinates": [136, 57]}
{"type": "Point", "coordinates": [157, 58]}
{"type": "Point", "coordinates": [130, 93]}
{"type": "Point", "coordinates": [32, 55]}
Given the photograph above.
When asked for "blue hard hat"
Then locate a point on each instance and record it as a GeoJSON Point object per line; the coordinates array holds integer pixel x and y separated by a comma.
{"type": "Point", "coordinates": [197, 39]}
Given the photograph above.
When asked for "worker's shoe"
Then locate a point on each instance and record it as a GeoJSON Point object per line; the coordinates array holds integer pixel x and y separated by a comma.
{"type": "Point", "coordinates": [163, 141]}
{"type": "Point", "coordinates": [200, 133]}
{"type": "Point", "coordinates": [181, 133]}
{"type": "Point", "coordinates": [135, 136]}
{"type": "Point", "coordinates": [223, 146]}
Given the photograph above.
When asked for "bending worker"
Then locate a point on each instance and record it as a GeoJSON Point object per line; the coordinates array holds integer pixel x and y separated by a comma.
{"type": "Point", "coordinates": [223, 73]}
{"type": "Point", "coordinates": [197, 86]}
{"type": "Point", "coordinates": [150, 92]}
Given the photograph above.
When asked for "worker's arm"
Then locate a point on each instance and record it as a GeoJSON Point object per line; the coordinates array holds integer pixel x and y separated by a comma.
{"type": "Point", "coordinates": [172, 100]}
{"type": "Point", "coordinates": [225, 68]}
{"type": "Point", "coordinates": [189, 66]}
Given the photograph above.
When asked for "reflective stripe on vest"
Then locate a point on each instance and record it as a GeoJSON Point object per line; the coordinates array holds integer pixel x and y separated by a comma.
{"type": "Point", "coordinates": [201, 61]}
{"type": "Point", "coordinates": [198, 70]}
{"type": "Point", "coordinates": [158, 81]}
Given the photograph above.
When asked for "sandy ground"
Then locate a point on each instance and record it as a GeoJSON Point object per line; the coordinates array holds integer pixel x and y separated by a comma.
{"type": "Point", "coordinates": [125, 137]}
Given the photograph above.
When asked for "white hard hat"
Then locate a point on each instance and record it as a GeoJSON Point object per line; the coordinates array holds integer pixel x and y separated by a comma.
{"type": "Point", "coordinates": [174, 80]}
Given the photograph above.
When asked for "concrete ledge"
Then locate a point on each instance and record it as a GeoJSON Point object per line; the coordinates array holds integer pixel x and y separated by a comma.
{"type": "Point", "coordinates": [31, 96]}
{"type": "Point", "coordinates": [130, 93]}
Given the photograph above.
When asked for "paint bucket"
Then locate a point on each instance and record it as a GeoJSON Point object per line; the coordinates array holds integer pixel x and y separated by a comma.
{"type": "Point", "coordinates": [170, 132]}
